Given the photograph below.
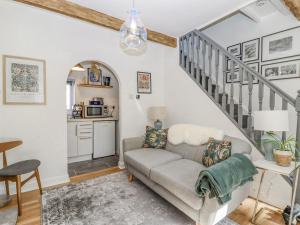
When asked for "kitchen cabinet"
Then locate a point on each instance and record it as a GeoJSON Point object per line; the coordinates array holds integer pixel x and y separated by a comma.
{"type": "Point", "coordinates": [80, 141]}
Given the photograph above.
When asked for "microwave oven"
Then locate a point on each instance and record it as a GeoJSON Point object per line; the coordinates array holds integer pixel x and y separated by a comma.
{"type": "Point", "coordinates": [94, 111]}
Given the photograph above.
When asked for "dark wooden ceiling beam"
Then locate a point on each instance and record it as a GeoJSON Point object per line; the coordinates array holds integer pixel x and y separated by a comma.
{"type": "Point", "coordinates": [294, 6]}
{"type": "Point", "coordinates": [89, 15]}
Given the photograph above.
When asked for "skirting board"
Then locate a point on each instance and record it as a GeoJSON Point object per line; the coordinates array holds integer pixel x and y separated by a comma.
{"type": "Point", "coordinates": [32, 184]}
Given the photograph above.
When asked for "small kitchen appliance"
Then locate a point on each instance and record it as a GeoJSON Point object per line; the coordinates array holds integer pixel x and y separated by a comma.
{"type": "Point", "coordinates": [96, 101]}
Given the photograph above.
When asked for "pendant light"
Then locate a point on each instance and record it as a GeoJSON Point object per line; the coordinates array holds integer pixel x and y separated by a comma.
{"type": "Point", "coordinates": [133, 33]}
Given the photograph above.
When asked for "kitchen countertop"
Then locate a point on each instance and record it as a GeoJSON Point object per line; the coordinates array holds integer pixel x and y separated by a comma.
{"type": "Point", "coordinates": [93, 119]}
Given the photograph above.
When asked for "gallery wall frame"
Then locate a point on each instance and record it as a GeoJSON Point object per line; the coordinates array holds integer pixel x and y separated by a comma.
{"type": "Point", "coordinates": [251, 50]}
{"type": "Point", "coordinates": [235, 50]}
{"type": "Point", "coordinates": [281, 70]}
{"type": "Point", "coordinates": [24, 80]}
{"type": "Point", "coordinates": [280, 45]}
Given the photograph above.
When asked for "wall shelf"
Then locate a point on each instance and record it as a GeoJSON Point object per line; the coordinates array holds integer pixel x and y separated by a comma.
{"type": "Point", "coordinates": [94, 86]}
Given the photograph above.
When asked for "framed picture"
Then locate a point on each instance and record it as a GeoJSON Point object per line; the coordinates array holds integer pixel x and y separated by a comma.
{"type": "Point", "coordinates": [144, 85]}
{"type": "Point", "coordinates": [250, 50]}
{"type": "Point", "coordinates": [236, 66]}
{"type": "Point", "coordinates": [235, 50]}
{"type": "Point", "coordinates": [281, 70]}
{"type": "Point", "coordinates": [24, 80]}
{"type": "Point", "coordinates": [94, 75]}
{"type": "Point", "coordinates": [281, 45]}
{"type": "Point", "coordinates": [236, 76]}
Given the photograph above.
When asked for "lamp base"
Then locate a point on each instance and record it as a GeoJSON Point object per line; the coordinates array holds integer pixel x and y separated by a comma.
{"type": "Point", "coordinates": [158, 124]}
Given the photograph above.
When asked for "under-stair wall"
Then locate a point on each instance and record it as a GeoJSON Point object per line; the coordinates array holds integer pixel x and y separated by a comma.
{"type": "Point", "coordinates": [189, 104]}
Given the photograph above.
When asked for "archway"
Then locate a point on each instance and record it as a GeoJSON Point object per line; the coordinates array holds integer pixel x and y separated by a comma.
{"type": "Point", "coordinates": [92, 107]}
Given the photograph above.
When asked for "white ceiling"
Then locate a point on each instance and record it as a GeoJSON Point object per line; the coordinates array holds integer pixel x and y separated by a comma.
{"type": "Point", "coordinates": [172, 17]}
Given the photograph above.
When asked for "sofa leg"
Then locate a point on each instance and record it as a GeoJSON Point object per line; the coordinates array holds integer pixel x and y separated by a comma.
{"type": "Point", "coordinates": [198, 223]}
{"type": "Point", "coordinates": [130, 177]}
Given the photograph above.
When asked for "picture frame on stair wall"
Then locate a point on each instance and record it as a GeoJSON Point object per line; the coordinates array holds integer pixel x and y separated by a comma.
{"type": "Point", "coordinates": [235, 50]}
{"type": "Point", "coordinates": [251, 50]}
{"type": "Point", "coordinates": [281, 70]}
{"type": "Point", "coordinates": [281, 45]}
{"type": "Point", "coordinates": [236, 75]}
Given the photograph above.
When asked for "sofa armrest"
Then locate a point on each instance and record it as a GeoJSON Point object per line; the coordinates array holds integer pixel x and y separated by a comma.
{"type": "Point", "coordinates": [132, 143]}
{"type": "Point", "coordinates": [212, 212]}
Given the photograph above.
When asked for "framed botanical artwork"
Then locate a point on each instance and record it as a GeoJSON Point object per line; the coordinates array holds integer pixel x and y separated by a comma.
{"type": "Point", "coordinates": [250, 50]}
{"type": "Point", "coordinates": [235, 50]}
{"type": "Point", "coordinates": [236, 66]}
{"type": "Point", "coordinates": [281, 45]}
{"type": "Point", "coordinates": [24, 80]}
{"type": "Point", "coordinates": [144, 85]}
{"type": "Point", "coordinates": [281, 70]}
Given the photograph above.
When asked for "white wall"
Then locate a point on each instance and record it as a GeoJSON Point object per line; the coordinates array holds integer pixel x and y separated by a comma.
{"type": "Point", "coordinates": [63, 42]}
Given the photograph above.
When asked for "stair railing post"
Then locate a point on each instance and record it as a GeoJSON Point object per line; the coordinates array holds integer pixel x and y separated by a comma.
{"type": "Point", "coordinates": [198, 72]}
{"type": "Point", "coordinates": [240, 109]}
{"type": "Point", "coordinates": [297, 107]}
{"type": "Point", "coordinates": [192, 67]}
{"type": "Point", "coordinates": [209, 70]}
{"type": "Point", "coordinates": [187, 64]}
{"type": "Point", "coordinates": [231, 106]}
{"type": "Point", "coordinates": [217, 58]}
{"type": "Point", "coordinates": [250, 88]}
{"type": "Point", "coordinates": [180, 51]}
{"type": "Point", "coordinates": [203, 64]}
{"type": "Point", "coordinates": [224, 100]}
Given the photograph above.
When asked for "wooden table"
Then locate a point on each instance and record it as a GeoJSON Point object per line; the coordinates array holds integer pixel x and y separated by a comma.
{"type": "Point", "coordinates": [271, 166]}
{"type": "Point", "coordinates": [5, 145]}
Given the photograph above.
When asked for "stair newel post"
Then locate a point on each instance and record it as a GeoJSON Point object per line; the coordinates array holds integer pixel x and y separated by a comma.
{"type": "Point", "coordinates": [284, 107]}
{"type": "Point", "coordinates": [297, 151]}
{"type": "Point", "coordinates": [272, 99]}
{"type": "Point", "coordinates": [231, 107]}
{"type": "Point", "coordinates": [203, 64]}
{"type": "Point", "coordinates": [224, 102]}
{"type": "Point", "coordinates": [240, 109]}
{"type": "Point", "coordinates": [192, 55]}
{"type": "Point", "coordinates": [198, 72]}
{"type": "Point", "coordinates": [209, 70]}
{"type": "Point", "coordinates": [250, 88]}
{"type": "Point", "coordinates": [217, 58]}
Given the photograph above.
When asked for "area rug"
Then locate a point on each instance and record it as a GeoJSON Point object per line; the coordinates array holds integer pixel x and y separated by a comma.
{"type": "Point", "coordinates": [9, 216]}
{"type": "Point", "coordinates": [110, 200]}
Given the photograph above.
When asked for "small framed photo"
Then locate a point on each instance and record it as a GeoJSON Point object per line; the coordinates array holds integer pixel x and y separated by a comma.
{"type": "Point", "coordinates": [281, 70]}
{"type": "Point", "coordinates": [281, 45]}
{"type": "Point", "coordinates": [236, 66]}
{"type": "Point", "coordinates": [94, 75]}
{"type": "Point", "coordinates": [235, 50]}
{"type": "Point", "coordinates": [24, 80]}
{"type": "Point", "coordinates": [250, 50]}
{"type": "Point", "coordinates": [144, 85]}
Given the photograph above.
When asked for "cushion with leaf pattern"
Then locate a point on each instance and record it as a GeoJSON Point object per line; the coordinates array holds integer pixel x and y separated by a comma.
{"type": "Point", "coordinates": [155, 138]}
{"type": "Point", "coordinates": [216, 151]}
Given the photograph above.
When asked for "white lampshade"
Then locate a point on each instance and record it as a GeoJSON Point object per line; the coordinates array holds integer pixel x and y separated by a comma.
{"type": "Point", "coordinates": [157, 113]}
{"type": "Point", "coordinates": [271, 120]}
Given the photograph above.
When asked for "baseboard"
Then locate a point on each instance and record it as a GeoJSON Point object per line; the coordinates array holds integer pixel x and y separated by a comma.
{"type": "Point", "coordinates": [32, 184]}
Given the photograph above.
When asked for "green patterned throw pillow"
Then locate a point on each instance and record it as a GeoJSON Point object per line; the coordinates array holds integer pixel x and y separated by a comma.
{"type": "Point", "coordinates": [216, 151]}
{"type": "Point", "coordinates": [155, 138]}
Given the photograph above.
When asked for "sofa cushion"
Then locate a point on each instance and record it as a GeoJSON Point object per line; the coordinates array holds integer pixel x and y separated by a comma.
{"type": "Point", "coordinates": [179, 177]}
{"type": "Point", "coordinates": [146, 158]}
{"type": "Point", "coordinates": [155, 138]}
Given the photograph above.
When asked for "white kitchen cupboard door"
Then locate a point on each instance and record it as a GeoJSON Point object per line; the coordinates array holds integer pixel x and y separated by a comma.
{"type": "Point", "coordinates": [85, 146]}
{"type": "Point", "coordinates": [72, 139]}
{"type": "Point", "coordinates": [104, 138]}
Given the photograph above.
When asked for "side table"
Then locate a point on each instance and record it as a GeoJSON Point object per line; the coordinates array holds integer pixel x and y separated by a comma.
{"type": "Point", "coordinates": [271, 166]}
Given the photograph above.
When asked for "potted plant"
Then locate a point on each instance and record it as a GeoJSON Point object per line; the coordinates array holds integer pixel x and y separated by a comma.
{"type": "Point", "coordinates": [283, 149]}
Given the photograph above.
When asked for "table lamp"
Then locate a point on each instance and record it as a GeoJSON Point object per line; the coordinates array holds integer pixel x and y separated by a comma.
{"type": "Point", "coordinates": [270, 121]}
{"type": "Point", "coordinates": [157, 114]}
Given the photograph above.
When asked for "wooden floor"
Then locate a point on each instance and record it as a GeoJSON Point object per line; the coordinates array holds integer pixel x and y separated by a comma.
{"type": "Point", "coordinates": [32, 206]}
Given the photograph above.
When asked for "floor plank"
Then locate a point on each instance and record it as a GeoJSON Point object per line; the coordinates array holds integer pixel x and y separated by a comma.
{"type": "Point", "coordinates": [32, 206]}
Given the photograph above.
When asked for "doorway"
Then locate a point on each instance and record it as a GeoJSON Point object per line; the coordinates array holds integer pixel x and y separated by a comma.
{"type": "Point", "coordinates": [92, 108]}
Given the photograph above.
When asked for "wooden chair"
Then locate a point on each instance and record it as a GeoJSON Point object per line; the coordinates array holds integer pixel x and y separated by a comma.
{"type": "Point", "coordinates": [14, 171]}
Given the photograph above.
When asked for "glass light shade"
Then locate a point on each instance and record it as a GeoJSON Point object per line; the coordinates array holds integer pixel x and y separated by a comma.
{"type": "Point", "coordinates": [79, 68]}
{"type": "Point", "coordinates": [133, 34]}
